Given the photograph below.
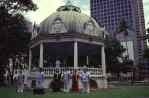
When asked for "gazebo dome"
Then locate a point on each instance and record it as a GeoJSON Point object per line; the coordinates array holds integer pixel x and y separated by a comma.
{"type": "Point", "coordinates": [72, 39]}
{"type": "Point", "coordinates": [69, 19]}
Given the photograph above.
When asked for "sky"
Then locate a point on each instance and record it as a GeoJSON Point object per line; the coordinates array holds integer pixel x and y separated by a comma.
{"type": "Point", "coordinates": [146, 12]}
{"type": "Point", "coordinates": [47, 7]}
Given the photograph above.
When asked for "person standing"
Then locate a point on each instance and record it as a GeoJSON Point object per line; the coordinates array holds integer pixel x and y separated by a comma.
{"type": "Point", "coordinates": [66, 78]}
{"type": "Point", "coordinates": [75, 81]}
{"type": "Point", "coordinates": [26, 78]}
{"type": "Point", "coordinates": [56, 83]}
{"type": "Point", "coordinates": [15, 77]}
{"type": "Point", "coordinates": [39, 79]}
{"type": "Point", "coordinates": [20, 82]}
{"type": "Point", "coordinates": [11, 67]}
{"type": "Point", "coordinates": [7, 76]}
{"type": "Point", "coordinates": [85, 76]}
{"type": "Point", "coordinates": [39, 82]}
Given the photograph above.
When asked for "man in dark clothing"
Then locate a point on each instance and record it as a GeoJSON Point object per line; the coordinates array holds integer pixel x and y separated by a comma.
{"type": "Point", "coordinates": [56, 83]}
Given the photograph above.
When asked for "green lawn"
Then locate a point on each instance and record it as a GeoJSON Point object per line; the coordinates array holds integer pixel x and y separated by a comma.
{"type": "Point", "coordinates": [116, 92]}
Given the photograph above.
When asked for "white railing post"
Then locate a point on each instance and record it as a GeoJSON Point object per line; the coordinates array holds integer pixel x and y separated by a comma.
{"type": "Point", "coordinates": [95, 72]}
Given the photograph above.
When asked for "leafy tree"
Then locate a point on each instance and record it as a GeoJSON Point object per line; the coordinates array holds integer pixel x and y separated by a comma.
{"type": "Point", "coordinates": [115, 61]}
{"type": "Point", "coordinates": [126, 65]}
{"type": "Point", "coordinates": [122, 26]}
{"type": "Point", "coordinates": [14, 35]}
{"type": "Point", "coordinates": [146, 53]}
{"type": "Point", "coordinates": [17, 6]}
{"type": "Point", "coordinates": [114, 51]}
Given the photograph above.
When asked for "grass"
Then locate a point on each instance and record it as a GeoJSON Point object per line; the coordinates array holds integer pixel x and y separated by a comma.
{"type": "Point", "coordinates": [116, 92]}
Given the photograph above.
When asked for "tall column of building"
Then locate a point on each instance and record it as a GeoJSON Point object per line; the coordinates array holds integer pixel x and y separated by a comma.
{"type": "Point", "coordinates": [109, 12]}
{"type": "Point", "coordinates": [140, 29]}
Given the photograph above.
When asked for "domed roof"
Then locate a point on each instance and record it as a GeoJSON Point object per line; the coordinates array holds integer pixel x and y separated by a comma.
{"type": "Point", "coordinates": [69, 19]}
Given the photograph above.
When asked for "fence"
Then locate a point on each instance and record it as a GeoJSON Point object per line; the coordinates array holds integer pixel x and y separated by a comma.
{"type": "Point", "coordinates": [94, 72]}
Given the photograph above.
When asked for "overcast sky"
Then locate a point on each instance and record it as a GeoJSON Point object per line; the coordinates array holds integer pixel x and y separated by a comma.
{"type": "Point", "coordinates": [47, 7]}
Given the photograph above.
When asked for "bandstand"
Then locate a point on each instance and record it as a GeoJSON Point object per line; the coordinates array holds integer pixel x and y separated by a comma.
{"type": "Point", "coordinates": [73, 38]}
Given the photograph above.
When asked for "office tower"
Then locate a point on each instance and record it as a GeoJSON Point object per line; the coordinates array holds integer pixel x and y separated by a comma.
{"type": "Point", "coordinates": [109, 12]}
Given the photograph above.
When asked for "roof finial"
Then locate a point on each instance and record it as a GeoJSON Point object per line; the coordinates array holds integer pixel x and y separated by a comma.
{"type": "Point", "coordinates": [69, 7]}
{"type": "Point", "coordinates": [69, 2]}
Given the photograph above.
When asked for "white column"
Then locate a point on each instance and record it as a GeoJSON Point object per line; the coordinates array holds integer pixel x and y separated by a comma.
{"type": "Point", "coordinates": [41, 56]}
{"type": "Point", "coordinates": [104, 66]}
{"type": "Point", "coordinates": [75, 54]}
{"type": "Point", "coordinates": [87, 60]}
{"type": "Point", "coordinates": [30, 59]}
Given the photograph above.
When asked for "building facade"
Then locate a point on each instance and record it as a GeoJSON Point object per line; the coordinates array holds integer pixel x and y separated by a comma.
{"type": "Point", "coordinates": [109, 12]}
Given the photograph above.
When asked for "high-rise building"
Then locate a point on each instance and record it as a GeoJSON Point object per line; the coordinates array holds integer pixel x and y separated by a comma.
{"type": "Point", "coordinates": [109, 12]}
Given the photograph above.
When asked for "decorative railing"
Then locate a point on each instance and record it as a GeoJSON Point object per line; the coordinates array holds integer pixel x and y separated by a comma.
{"type": "Point", "coordinates": [94, 72]}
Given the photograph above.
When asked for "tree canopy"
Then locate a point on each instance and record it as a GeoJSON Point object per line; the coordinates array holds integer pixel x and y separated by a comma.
{"type": "Point", "coordinates": [115, 60]}
{"type": "Point", "coordinates": [122, 26]}
{"type": "Point", "coordinates": [14, 35]}
{"type": "Point", "coordinates": [146, 53]}
{"type": "Point", "coordinates": [114, 51]}
{"type": "Point", "coordinates": [17, 6]}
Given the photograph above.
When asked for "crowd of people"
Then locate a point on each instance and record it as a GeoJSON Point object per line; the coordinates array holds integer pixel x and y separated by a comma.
{"type": "Point", "coordinates": [66, 81]}
{"type": "Point", "coordinates": [76, 81]}
{"type": "Point", "coordinates": [18, 78]}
